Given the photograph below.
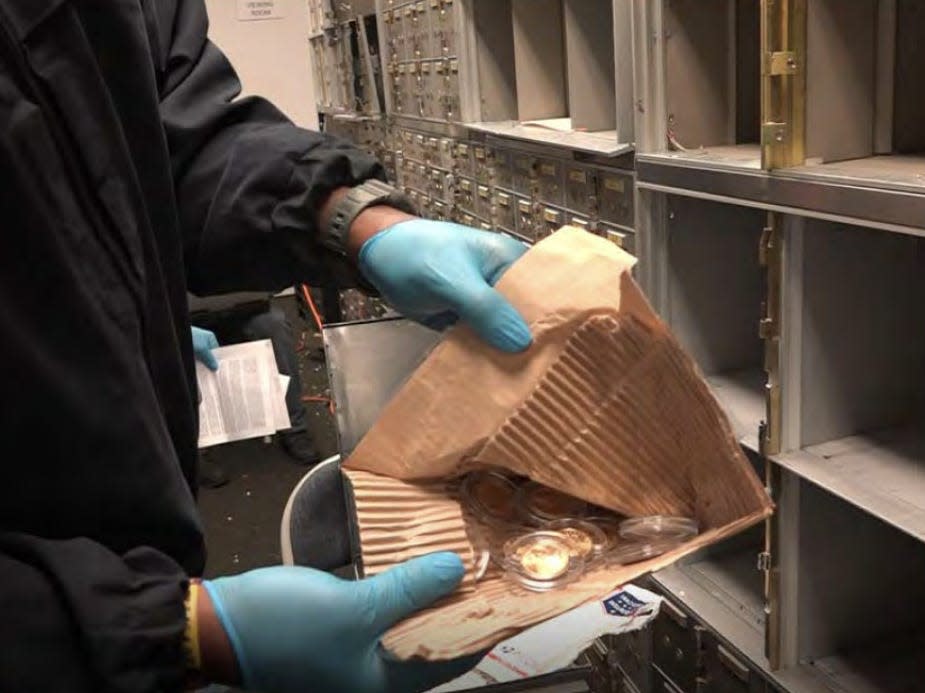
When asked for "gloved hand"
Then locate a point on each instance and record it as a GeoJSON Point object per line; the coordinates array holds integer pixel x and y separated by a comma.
{"type": "Point", "coordinates": [295, 630]}
{"type": "Point", "coordinates": [204, 342]}
{"type": "Point", "coordinates": [435, 271]}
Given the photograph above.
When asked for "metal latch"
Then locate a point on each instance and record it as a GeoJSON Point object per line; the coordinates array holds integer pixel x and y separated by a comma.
{"type": "Point", "coordinates": [764, 246]}
{"type": "Point", "coordinates": [774, 133]}
{"type": "Point", "coordinates": [780, 63]}
{"type": "Point", "coordinates": [767, 328]}
{"type": "Point", "coordinates": [764, 561]}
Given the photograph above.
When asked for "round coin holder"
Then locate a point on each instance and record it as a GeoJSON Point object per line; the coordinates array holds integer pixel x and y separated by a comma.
{"type": "Point", "coordinates": [609, 525]}
{"type": "Point", "coordinates": [637, 551]}
{"type": "Point", "coordinates": [588, 540]}
{"type": "Point", "coordinates": [540, 504]}
{"type": "Point", "coordinates": [657, 527]}
{"type": "Point", "coordinates": [541, 560]}
{"type": "Point", "coordinates": [491, 497]}
{"type": "Point", "coordinates": [481, 563]}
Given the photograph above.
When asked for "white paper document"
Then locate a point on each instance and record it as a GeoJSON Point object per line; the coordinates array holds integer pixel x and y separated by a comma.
{"type": "Point", "coordinates": [245, 398]}
{"type": "Point", "coordinates": [556, 643]}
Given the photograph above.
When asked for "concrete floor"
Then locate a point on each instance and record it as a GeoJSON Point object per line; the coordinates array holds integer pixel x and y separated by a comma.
{"type": "Point", "coordinates": [242, 518]}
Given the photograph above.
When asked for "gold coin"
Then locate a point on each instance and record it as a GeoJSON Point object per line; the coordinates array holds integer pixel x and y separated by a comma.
{"type": "Point", "coordinates": [582, 543]}
{"type": "Point", "coordinates": [543, 559]}
{"type": "Point", "coordinates": [551, 503]}
{"type": "Point", "coordinates": [496, 496]}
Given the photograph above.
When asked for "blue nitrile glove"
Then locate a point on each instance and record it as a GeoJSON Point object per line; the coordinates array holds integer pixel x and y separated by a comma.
{"type": "Point", "coordinates": [296, 629]}
{"type": "Point", "coordinates": [203, 344]}
{"type": "Point", "coordinates": [435, 271]}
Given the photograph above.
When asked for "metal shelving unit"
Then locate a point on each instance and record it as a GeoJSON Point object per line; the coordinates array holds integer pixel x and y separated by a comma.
{"type": "Point", "coordinates": [766, 161]}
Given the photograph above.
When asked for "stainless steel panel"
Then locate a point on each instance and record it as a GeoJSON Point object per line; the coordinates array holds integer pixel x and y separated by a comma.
{"type": "Point", "coordinates": [504, 208]}
{"type": "Point", "coordinates": [860, 350]}
{"type": "Point", "coordinates": [590, 62]}
{"type": "Point", "coordinates": [424, 40]}
{"type": "Point", "coordinates": [581, 189]}
{"type": "Point", "coordinates": [909, 104]}
{"type": "Point", "coordinates": [442, 29]}
{"type": "Point", "coordinates": [526, 223]}
{"type": "Point", "coordinates": [494, 57]}
{"type": "Point", "coordinates": [523, 173]}
{"type": "Point", "coordinates": [862, 200]}
{"type": "Point", "coordinates": [483, 160]}
{"type": "Point", "coordinates": [725, 672]}
{"type": "Point", "coordinates": [439, 210]}
{"type": "Point", "coordinates": [676, 647]}
{"type": "Point", "coordinates": [502, 168]}
{"type": "Point", "coordinates": [424, 205]}
{"type": "Point", "coordinates": [436, 185]}
{"type": "Point", "coordinates": [699, 77]}
{"type": "Point", "coordinates": [550, 220]}
{"type": "Point", "coordinates": [837, 569]}
{"type": "Point", "coordinates": [539, 57]}
{"type": "Point", "coordinates": [550, 179]}
{"type": "Point", "coordinates": [464, 159]}
{"type": "Point", "coordinates": [466, 197]}
{"type": "Point", "coordinates": [715, 285]}
{"type": "Point", "coordinates": [367, 364]}
{"type": "Point", "coordinates": [452, 93]}
{"type": "Point", "coordinates": [615, 198]}
{"type": "Point", "coordinates": [840, 79]}
{"type": "Point", "coordinates": [663, 684]}
{"type": "Point", "coordinates": [632, 652]}
{"type": "Point", "coordinates": [618, 236]}
{"type": "Point", "coordinates": [446, 153]}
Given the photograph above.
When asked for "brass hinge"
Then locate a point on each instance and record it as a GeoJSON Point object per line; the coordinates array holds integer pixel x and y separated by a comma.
{"type": "Point", "coordinates": [783, 83]}
{"type": "Point", "coordinates": [774, 134]}
{"type": "Point", "coordinates": [778, 63]}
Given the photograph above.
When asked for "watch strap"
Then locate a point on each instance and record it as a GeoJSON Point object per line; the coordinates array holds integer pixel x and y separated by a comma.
{"type": "Point", "coordinates": [368, 194]}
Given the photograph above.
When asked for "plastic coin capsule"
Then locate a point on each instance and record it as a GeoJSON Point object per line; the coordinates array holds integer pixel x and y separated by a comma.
{"type": "Point", "coordinates": [588, 540]}
{"type": "Point", "coordinates": [634, 552]}
{"type": "Point", "coordinates": [609, 525]}
{"type": "Point", "coordinates": [540, 504]}
{"type": "Point", "coordinates": [481, 563]}
{"type": "Point", "coordinates": [657, 527]}
{"type": "Point", "coordinates": [490, 496]}
{"type": "Point", "coordinates": [541, 560]}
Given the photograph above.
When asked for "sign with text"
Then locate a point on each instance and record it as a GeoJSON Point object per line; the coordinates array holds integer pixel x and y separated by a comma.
{"type": "Point", "coordinates": [250, 10]}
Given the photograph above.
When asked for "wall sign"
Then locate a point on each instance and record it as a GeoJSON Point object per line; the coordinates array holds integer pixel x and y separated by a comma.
{"type": "Point", "coordinates": [251, 10]}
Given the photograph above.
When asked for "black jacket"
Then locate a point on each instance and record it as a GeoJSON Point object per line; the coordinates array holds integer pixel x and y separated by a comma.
{"type": "Point", "coordinates": [128, 175]}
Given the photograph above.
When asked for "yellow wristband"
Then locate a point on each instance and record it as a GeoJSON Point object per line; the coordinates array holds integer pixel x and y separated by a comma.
{"type": "Point", "coordinates": [191, 634]}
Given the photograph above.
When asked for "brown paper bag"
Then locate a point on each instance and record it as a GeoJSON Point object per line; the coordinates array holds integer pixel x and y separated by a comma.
{"type": "Point", "coordinates": [605, 406]}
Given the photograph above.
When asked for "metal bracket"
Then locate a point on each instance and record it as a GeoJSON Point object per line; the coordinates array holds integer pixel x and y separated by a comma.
{"type": "Point", "coordinates": [764, 561]}
{"type": "Point", "coordinates": [770, 254]}
{"type": "Point", "coordinates": [774, 134]}
{"type": "Point", "coordinates": [778, 63]}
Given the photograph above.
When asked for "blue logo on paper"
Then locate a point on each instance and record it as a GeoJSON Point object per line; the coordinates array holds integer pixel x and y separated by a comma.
{"type": "Point", "coordinates": [622, 604]}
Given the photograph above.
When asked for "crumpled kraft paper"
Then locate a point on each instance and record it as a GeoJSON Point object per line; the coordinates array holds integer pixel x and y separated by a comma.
{"type": "Point", "coordinates": [605, 406]}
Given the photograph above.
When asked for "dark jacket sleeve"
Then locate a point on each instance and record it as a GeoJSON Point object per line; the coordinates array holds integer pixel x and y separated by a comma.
{"type": "Point", "coordinates": [77, 617]}
{"type": "Point", "coordinates": [248, 181]}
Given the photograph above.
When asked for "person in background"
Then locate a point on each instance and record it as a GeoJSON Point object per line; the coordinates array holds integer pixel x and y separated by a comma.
{"type": "Point", "coordinates": [132, 174]}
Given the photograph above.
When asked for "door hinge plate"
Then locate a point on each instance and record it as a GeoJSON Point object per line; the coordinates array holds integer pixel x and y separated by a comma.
{"type": "Point", "coordinates": [780, 63]}
{"type": "Point", "coordinates": [774, 133]}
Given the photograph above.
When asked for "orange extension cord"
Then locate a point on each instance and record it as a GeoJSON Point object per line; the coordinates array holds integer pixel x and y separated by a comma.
{"type": "Point", "coordinates": [306, 294]}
